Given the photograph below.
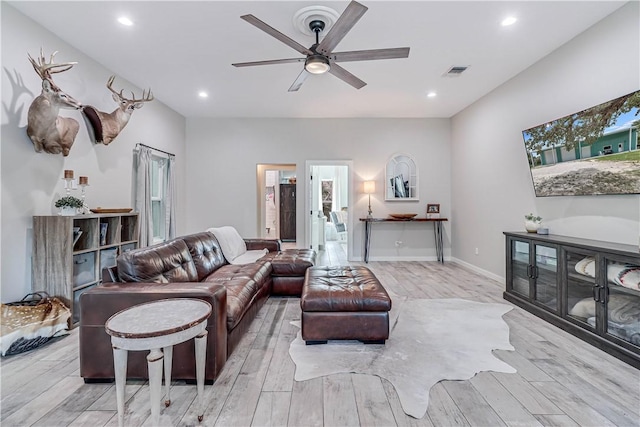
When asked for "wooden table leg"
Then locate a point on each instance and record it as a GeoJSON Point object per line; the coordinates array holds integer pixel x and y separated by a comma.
{"type": "Point", "coordinates": [201, 351]}
{"type": "Point", "coordinates": [120, 368]}
{"type": "Point", "coordinates": [154, 362]}
{"type": "Point", "coordinates": [168, 361]}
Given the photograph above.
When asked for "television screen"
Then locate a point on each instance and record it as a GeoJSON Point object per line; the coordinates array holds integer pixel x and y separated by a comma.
{"type": "Point", "coordinates": [595, 151]}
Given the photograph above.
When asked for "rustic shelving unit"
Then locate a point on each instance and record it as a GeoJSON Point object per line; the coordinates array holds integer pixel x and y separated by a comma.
{"type": "Point", "coordinates": [66, 263]}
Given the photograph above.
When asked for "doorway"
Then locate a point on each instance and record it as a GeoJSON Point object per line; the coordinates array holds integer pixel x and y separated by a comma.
{"type": "Point", "coordinates": [329, 186]}
{"type": "Point", "coordinates": [276, 190]}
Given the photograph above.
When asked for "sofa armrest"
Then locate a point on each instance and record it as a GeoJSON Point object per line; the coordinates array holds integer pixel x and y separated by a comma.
{"type": "Point", "coordinates": [273, 245]}
{"type": "Point", "coordinates": [103, 301]}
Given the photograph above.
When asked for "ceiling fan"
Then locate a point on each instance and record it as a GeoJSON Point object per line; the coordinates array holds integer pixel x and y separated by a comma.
{"type": "Point", "coordinates": [320, 57]}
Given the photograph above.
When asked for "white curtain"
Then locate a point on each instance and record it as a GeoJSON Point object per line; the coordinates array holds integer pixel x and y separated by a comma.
{"type": "Point", "coordinates": [142, 173]}
{"type": "Point", "coordinates": [170, 199]}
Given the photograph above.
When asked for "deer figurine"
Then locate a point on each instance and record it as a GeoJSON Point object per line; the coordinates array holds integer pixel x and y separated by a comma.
{"type": "Point", "coordinates": [48, 131]}
{"type": "Point", "coordinates": [107, 126]}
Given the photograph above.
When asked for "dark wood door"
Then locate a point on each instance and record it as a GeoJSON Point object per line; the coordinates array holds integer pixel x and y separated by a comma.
{"type": "Point", "coordinates": [288, 212]}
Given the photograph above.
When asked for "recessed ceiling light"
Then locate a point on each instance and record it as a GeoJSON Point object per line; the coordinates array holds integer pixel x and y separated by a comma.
{"type": "Point", "coordinates": [431, 94]}
{"type": "Point", "coordinates": [203, 94]}
{"type": "Point", "coordinates": [510, 20]}
{"type": "Point", "coordinates": [125, 21]}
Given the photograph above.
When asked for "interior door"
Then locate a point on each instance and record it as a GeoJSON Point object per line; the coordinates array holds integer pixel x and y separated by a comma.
{"type": "Point", "coordinates": [288, 212]}
{"type": "Point", "coordinates": [317, 229]}
{"type": "Point", "coordinates": [268, 179]}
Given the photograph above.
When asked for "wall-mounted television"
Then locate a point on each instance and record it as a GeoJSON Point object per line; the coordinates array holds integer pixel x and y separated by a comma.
{"type": "Point", "coordinates": [594, 151]}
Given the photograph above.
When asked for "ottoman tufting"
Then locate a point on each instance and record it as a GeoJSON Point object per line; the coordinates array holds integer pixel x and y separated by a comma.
{"type": "Point", "coordinates": [344, 303]}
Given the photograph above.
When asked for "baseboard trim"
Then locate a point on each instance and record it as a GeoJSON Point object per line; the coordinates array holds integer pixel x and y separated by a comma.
{"type": "Point", "coordinates": [396, 259]}
{"type": "Point", "coordinates": [479, 270]}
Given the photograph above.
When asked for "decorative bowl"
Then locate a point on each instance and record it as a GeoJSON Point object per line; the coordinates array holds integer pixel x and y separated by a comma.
{"type": "Point", "coordinates": [100, 210]}
{"type": "Point", "coordinates": [403, 215]}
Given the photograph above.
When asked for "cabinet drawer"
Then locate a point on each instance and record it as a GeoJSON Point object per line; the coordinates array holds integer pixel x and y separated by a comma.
{"type": "Point", "coordinates": [108, 258]}
{"type": "Point", "coordinates": [84, 269]}
{"type": "Point", "coordinates": [128, 247]}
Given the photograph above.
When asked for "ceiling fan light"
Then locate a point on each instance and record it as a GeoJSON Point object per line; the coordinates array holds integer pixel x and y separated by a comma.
{"type": "Point", "coordinates": [317, 64]}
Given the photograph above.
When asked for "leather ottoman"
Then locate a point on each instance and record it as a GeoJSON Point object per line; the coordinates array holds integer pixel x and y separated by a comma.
{"type": "Point", "coordinates": [344, 303]}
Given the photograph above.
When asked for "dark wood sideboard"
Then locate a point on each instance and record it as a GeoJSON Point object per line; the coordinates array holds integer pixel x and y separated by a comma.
{"type": "Point", "coordinates": [589, 288]}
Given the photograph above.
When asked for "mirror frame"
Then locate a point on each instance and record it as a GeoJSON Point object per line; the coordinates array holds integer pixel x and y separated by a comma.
{"type": "Point", "coordinates": [401, 165]}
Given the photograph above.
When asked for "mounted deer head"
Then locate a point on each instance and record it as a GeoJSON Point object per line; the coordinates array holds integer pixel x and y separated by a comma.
{"type": "Point", "coordinates": [47, 130]}
{"type": "Point", "coordinates": [107, 126]}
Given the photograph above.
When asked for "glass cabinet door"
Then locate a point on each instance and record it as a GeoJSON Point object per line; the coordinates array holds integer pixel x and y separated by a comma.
{"type": "Point", "coordinates": [520, 267]}
{"type": "Point", "coordinates": [582, 290]}
{"type": "Point", "coordinates": [545, 273]}
{"type": "Point", "coordinates": [623, 300]}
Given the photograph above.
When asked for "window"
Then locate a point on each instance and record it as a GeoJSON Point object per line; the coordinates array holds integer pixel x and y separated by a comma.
{"type": "Point", "coordinates": [159, 178]}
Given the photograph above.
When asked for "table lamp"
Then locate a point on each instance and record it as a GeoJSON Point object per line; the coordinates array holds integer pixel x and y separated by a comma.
{"type": "Point", "coordinates": [369, 188]}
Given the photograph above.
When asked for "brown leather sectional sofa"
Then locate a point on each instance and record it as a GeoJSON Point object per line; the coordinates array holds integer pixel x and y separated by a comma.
{"type": "Point", "coordinates": [191, 266]}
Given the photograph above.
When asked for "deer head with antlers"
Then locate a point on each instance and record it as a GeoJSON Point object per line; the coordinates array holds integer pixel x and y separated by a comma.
{"type": "Point", "coordinates": [107, 126]}
{"type": "Point", "coordinates": [48, 131]}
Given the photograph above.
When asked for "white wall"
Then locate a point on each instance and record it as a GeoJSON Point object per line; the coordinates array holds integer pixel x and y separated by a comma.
{"type": "Point", "coordinates": [222, 155]}
{"type": "Point", "coordinates": [491, 182]}
{"type": "Point", "coordinates": [31, 182]}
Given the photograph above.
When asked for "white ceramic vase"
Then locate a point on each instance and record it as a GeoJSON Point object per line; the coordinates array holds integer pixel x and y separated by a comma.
{"type": "Point", "coordinates": [68, 211]}
{"type": "Point", "coordinates": [532, 226]}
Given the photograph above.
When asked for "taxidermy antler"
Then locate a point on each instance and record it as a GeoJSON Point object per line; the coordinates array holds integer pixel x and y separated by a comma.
{"type": "Point", "coordinates": [48, 131]}
{"type": "Point", "coordinates": [107, 126]}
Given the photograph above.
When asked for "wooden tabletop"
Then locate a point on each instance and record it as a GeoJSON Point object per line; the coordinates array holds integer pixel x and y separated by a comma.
{"type": "Point", "coordinates": [402, 219]}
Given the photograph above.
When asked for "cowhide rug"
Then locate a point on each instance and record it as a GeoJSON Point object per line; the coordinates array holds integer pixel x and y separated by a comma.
{"type": "Point", "coordinates": [430, 340]}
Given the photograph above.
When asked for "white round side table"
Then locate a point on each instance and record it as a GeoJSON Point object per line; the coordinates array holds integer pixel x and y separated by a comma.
{"type": "Point", "coordinates": [153, 326]}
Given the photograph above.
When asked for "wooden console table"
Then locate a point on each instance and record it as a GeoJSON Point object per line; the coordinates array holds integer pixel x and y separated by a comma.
{"type": "Point", "coordinates": [437, 226]}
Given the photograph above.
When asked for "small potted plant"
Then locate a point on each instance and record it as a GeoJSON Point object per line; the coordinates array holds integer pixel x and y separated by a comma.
{"type": "Point", "coordinates": [69, 205]}
{"type": "Point", "coordinates": [532, 223]}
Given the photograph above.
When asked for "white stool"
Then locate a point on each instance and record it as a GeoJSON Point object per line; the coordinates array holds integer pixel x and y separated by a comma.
{"type": "Point", "coordinates": [153, 326]}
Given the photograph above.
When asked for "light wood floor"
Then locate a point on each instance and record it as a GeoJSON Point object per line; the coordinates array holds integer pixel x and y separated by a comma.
{"type": "Point", "coordinates": [561, 381]}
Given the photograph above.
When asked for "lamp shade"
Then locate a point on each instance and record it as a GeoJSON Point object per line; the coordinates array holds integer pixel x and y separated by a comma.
{"type": "Point", "coordinates": [369, 187]}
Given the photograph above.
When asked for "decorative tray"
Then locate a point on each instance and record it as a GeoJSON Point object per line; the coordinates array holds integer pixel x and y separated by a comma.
{"type": "Point", "coordinates": [111, 210]}
{"type": "Point", "coordinates": [403, 216]}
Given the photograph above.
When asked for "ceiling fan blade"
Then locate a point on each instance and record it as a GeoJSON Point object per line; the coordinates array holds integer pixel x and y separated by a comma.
{"type": "Point", "coordinates": [269, 62]}
{"type": "Point", "coordinates": [345, 22]}
{"type": "Point", "coordinates": [277, 34]}
{"type": "Point", "coordinates": [370, 55]}
{"type": "Point", "coordinates": [346, 76]}
{"type": "Point", "coordinates": [299, 80]}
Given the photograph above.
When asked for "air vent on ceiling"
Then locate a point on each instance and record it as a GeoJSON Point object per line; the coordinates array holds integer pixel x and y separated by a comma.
{"type": "Point", "coordinates": [455, 71]}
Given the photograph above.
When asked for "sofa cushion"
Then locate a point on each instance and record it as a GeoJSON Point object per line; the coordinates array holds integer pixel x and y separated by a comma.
{"type": "Point", "coordinates": [231, 243]}
{"type": "Point", "coordinates": [205, 252]}
{"type": "Point", "coordinates": [250, 257]}
{"type": "Point", "coordinates": [240, 294]}
{"type": "Point", "coordinates": [260, 272]}
{"type": "Point", "coordinates": [165, 262]}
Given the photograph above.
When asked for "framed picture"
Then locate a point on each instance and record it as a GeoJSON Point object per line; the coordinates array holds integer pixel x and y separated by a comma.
{"type": "Point", "coordinates": [433, 210]}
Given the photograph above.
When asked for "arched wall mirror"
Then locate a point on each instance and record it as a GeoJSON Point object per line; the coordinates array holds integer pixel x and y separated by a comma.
{"type": "Point", "coordinates": [401, 175]}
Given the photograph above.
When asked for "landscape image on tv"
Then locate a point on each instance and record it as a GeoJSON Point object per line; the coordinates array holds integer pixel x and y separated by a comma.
{"type": "Point", "coordinates": [595, 151]}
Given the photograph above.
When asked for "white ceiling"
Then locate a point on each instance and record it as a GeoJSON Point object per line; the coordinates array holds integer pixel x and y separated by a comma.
{"type": "Point", "coordinates": [179, 48]}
